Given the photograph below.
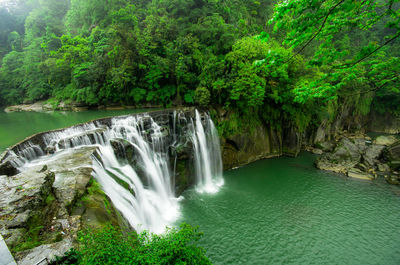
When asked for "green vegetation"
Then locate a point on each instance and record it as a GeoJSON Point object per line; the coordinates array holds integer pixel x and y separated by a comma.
{"type": "Point", "coordinates": [298, 61]}
{"type": "Point", "coordinates": [108, 245]}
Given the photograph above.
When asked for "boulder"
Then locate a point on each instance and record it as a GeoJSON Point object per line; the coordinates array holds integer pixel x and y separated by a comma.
{"type": "Point", "coordinates": [358, 174]}
{"type": "Point", "coordinates": [392, 155]}
{"type": "Point", "coordinates": [327, 146]}
{"type": "Point", "coordinates": [6, 168]}
{"type": "Point", "coordinates": [383, 168]}
{"type": "Point", "coordinates": [72, 175]}
{"type": "Point", "coordinates": [385, 140]}
{"type": "Point", "coordinates": [345, 156]}
{"type": "Point", "coordinates": [372, 153]}
{"type": "Point", "coordinates": [393, 178]}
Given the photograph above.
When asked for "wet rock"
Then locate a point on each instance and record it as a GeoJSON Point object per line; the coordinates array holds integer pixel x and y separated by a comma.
{"type": "Point", "coordinates": [393, 178]}
{"type": "Point", "coordinates": [317, 151]}
{"type": "Point", "coordinates": [383, 168]}
{"type": "Point", "coordinates": [358, 174]}
{"type": "Point", "coordinates": [385, 140]}
{"type": "Point", "coordinates": [345, 156]}
{"type": "Point", "coordinates": [6, 168]}
{"type": "Point", "coordinates": [244, 148]}
{"type": "Point", "coordinates": [392, 155]}
{"type": "Point", "coordinates": [72, 175]}
{"type": "Point", "coordinates": [325, 146]}
{"type": "Point", "coordinates": [372, 153]}
{"type": "Point", "coordinates": [292, 140]}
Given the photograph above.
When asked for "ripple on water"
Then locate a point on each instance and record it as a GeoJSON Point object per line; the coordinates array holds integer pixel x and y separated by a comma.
{"type": "Point", "coordinates": [283, 211]}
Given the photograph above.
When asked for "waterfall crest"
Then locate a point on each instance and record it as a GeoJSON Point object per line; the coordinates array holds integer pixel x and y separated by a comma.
{"type": "Point", "coordinates": [136, 160]}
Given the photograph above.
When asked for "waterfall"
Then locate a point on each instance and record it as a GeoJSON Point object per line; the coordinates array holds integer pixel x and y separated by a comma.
{"type": "Point", "coordinates": [135, 162]}
{"type": "Point", "coordinates": [208, 161]}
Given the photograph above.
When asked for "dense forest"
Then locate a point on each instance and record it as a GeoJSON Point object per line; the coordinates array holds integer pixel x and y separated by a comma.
{"type": "Point", "coordinates": [294, 60]}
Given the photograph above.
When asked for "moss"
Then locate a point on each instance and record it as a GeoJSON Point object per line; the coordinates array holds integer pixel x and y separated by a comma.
{"type": "Point", "coordinates": [237, 123]}
{"type": "Point", "coordinates": [31, 237]}
{"type": "Point", "coordinates": [181, 179]}
{"type": "Point", "coordinates": [50, 199]}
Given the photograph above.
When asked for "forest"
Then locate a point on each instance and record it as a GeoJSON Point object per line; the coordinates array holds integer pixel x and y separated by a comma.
{"type": "Point", "coordinates": [292, 60]}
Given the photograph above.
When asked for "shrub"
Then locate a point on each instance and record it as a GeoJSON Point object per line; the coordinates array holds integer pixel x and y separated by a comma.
{"type": "Point", "coordinates": [202, 96]}
{"type": "Point", "coordinates": [109, 245]}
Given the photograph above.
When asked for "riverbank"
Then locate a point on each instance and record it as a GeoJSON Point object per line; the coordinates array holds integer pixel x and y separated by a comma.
{"type": "Point", "coordinates": [51, 105]}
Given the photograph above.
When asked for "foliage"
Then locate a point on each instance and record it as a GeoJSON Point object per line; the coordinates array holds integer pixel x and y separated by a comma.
{"type": "Point", "coordinates": [202, 95]}
{"type": "Point", "coordinates": [102, 52]}
{"type": "Point", "coordinates": [71, 257]}
{"type": "Point", "coordinates": [311, 55]}
{"type": "Point", "coordinates": [349, 40]}
{"type": "Point", "coordinates": [109, 245]}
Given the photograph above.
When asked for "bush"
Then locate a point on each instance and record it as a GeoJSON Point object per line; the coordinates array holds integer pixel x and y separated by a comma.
{"type": "Point", "coordinates": [202, 96]}
{"type": "Point", "coordinates": [109, 245]}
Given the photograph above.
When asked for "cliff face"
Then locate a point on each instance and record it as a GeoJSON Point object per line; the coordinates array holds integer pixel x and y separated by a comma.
{"type": "Point", "coordinates": [265, 141]}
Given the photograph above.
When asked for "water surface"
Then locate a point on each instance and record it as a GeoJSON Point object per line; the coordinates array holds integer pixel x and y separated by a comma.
{"type": "Point", "coordinates": [16, 126]}
{"type": "Point", "coordinates": [284, 211]}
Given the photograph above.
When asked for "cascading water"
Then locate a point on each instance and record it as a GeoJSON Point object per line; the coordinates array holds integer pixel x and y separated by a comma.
{"type": "Point", "coordinates": [134, 163]}
{"type": "Point", "coordinates": [208, 161]}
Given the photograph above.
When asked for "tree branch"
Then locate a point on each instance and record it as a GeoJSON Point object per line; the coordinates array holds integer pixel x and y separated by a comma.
{"type": "Point", "coordinates": [369, 54]}
{"type": "Point", "coordinates": [319, 30]}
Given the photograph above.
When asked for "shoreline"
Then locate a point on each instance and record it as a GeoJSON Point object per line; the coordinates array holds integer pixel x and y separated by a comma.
{"type": "Point", "coordinates": [45, 106]}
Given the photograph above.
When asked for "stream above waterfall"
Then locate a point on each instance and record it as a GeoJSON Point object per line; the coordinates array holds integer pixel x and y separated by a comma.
{"type": "Point", "coordinates": [15, 126]}
{"type": "Point", "coordinates": [285, 211]}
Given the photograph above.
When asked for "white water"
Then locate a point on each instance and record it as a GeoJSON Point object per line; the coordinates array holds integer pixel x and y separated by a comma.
{"type": "Point", "coordinates": [208, 161]}
{"type": "Point", "coordinates": [144, 192]}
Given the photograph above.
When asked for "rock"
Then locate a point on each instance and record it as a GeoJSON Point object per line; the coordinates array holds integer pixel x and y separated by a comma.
{"type": "Point", "coordinates": [383, 168]}
{"type": "Point", "coordinates": [6, 168]}
{"type": "Point", "coordinates": [291, 142]}
{"type": "Point", "coordinates": [12, 236]}
{"type": "Point", "coordinates": [372, 153]}
{"type": "Point", "coordinates": [385, 140]}
{"type": "Point", "coordinates": [392, 155]}
{"type": "Point", "coordinates": [384, 123]}
{"type": "Point", "coordinates": [37, 107]}
{"type": "Point", "coordinates": [360, 143]}
{"type": "Point", "coordinates": [345, 156]}
{"type": "Point", "coordinates": [393, 179]}
{"type": "Point", "coordinates": [244, 148]}
{"type": "Point", "coordinates": [24, 203]}
{"type": "Point", "coordinates": [358, 174]}
{"type": "Point", "coordinates": [49, 252]}
{"type": "Point", "coordinates": [317, 151]}
{"type": "Point", "coordinates": [72, 175]}
{"type": "Point", "coordinates": [325, 146]}
{"type": "Point", "coordinates": [123, 150]}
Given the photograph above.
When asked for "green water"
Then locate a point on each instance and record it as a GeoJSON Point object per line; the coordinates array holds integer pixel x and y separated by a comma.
{"type": "Point", "coordinates": [284, 211]}
{"type": "Point", "coordinates": [16, 126]}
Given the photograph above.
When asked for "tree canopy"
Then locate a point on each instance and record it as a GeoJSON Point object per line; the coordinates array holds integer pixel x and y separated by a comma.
{"type": "Point", "coordinates": [289, 59]}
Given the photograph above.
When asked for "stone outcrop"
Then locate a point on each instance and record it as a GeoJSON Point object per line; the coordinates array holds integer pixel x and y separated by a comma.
{"type": "Point", "coordinates": [242, 149]}
{"type": "Point", "coordinates": [385, 140]}
{"type": "Point", "coordinates": [345, 156]}
{"type": "Point", "coordinates": [45, 253]}
{"type": "Point", "coordinates": [47, 204]}
{"type": "Point", "coordinates": [364, 159]}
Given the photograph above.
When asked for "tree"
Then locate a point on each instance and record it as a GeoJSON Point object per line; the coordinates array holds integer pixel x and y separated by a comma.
{"type": "Point", "coordinates": [319, 27]}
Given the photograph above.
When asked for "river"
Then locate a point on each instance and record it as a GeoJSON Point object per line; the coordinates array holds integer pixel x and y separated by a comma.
{"type": "Point", "coordinates": [15, 126]}
{"type": "Point", "coordinates": [285, 211]}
